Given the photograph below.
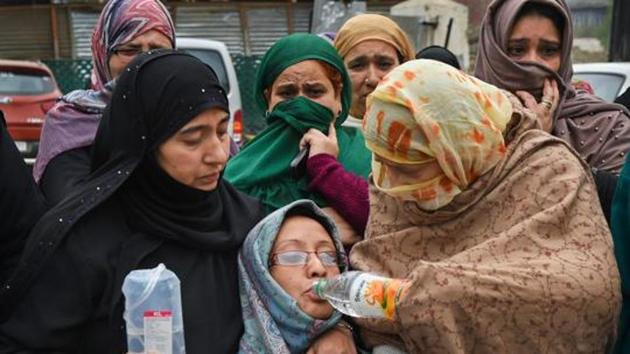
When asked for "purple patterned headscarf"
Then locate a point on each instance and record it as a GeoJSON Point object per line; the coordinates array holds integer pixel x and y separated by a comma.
{"type": "Point", "coordinates": [73, 121]}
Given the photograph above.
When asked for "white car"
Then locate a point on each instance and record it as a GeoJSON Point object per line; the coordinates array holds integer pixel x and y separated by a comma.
{"type": "Point", "coordinates": [216, 55]}
{"type": "Point", "coordinates": [609, 80]}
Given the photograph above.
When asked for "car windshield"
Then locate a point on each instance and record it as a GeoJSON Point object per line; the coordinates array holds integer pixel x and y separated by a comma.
{"type": "Point", "coordinates": [24, 83]}
{"type": "Point", "coordinates": [606, 86]}
{"type": "Point", "coordinates": [212, 58]}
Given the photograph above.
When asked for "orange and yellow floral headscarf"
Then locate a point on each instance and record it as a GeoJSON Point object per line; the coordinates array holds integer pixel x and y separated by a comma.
{"type": "Point", "coordinates": [426, 111]}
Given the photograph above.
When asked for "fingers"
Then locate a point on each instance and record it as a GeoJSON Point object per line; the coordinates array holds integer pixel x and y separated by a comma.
{"type": "Point", "coordinates": [309, 137]}
{"type": "Point", "coordinates": [547, 88]}
{"type": "Point", "coordinates": [528, 100]}
{"type": "Point", "coordinates": [303, 142]}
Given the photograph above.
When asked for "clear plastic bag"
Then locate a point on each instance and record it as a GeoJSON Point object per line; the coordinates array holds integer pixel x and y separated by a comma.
{"type": "Point", "coordinates": [153, 312]}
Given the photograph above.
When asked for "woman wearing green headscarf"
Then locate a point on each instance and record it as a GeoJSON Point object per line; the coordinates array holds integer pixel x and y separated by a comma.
{"type": "Point", "coordinates": [303, 85]}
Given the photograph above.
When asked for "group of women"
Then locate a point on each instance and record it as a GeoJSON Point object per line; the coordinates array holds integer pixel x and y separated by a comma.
{"type": "Point", "coordinates": [477, 190]}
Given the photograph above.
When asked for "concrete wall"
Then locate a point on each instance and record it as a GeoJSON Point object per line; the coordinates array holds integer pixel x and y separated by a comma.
{"type": "Point", "coordinates": [435, 15]}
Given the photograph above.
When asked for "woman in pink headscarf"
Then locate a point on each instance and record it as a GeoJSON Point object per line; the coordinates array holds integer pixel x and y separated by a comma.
{"type": "Point", "coordinates": [525, 47]}
{"type": "Point", "coordinates": [124, 29]}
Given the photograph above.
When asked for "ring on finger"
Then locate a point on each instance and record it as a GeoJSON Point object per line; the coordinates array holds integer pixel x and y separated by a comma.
{"type": "Point", "coordinates": [547, 103]}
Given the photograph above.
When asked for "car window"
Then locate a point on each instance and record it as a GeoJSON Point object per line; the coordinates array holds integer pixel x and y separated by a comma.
{"type": "Point", "coordinates": [606, 86]}
{"type": "Point", "coordinates": [24, 83]}
{"type": "Point", "coordinates": [212, 58]}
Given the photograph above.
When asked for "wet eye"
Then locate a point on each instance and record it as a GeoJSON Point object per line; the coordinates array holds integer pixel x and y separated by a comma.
{"type": "Point", "coordinates": [385, 66]}
{"type": "Point", "coordinates": [285, 93]}
{"type": "Point", "coordinates": [316, 92]}
{"type": "Point", "coordinates": [550, 51]}
{"type": "Point", "coordinates": [516, 51]}
{"type": "Point", "coordinates": [356, 66]}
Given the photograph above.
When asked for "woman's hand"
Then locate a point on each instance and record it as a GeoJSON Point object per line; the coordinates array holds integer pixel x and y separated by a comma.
{"type": "Point", "coordinates": [337, 340]}
{"type": "Point", "coordinates": [547, 106]}
{"type": "Point", "coordinates": [320, 143]}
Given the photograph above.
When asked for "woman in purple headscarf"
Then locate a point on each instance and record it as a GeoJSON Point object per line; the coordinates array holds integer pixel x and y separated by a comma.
{"type": "Point", "coordinates": [525, 47]}
{"type": "Point", "coordinates": [124, 29]}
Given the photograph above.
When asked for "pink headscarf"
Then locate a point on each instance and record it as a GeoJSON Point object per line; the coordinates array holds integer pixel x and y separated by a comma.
{"type": "Point", "coordinates": [120, 22]}
{"type": "Point", "coordinates": [599, 131]}
{"type": "Point", "coordinates": [73, 121]}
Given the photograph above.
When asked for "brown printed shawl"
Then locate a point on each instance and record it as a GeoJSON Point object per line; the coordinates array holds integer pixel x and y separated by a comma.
{"type": "Point", "coordinates": [599, 131]}
{"type": "Point", "coordinates": [521, 262]}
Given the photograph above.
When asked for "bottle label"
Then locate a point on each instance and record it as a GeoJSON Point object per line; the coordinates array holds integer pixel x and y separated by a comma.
{"type": "Point", "coordinates": [158, 332]}
{"type": "Point", "coordinates": [376, 296]}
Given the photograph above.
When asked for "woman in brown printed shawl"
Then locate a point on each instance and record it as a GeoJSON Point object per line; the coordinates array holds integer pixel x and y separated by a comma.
{"type": "Point", "coordinates": [491, 219]}
{"type": "Point", "coordinates": [597, 130]}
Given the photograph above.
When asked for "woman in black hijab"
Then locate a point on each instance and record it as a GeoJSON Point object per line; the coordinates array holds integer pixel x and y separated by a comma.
{"type": "Point", "coordinates": [439, 53]}
{"type": "Point", "coordinates": [155, 195]}
{"type": "Point", "coordinates": [21, 203]}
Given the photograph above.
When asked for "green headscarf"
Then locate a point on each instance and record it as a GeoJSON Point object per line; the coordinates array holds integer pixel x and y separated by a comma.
{"type": "Point", "coordinates": [620, 227]}
{"type": "Point", "coordinates": [261, 169]}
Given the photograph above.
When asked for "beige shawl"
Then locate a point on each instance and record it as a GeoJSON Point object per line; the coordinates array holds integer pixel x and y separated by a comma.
{"type": "Point", "coordinates": [520, 262]}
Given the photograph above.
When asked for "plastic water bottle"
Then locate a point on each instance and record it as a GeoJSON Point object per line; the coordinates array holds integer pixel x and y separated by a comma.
{"type": "Point", "coordinates": [361, 294]}
{"type": "Point", "coordinates": [153, 312]}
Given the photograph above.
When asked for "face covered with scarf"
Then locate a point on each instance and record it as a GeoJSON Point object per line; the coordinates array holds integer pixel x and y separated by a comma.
{"type": "Point", "coordinates": [433, 131]}
{"type": "Point", "coordinates": [278, 263]}
{"type": "Point", "coordinates": [302, 84]}
{"type": "Point", "coordinates": [124, 29]}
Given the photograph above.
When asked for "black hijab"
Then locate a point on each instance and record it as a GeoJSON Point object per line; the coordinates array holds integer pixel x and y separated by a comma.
{"type": "Point", "coordinates": [154, 202]}
{"type": "Point", "coordinates": [21, 203]}
{"type": "Point", "coordinates": [439, 53]}
{"type": "Point", "coordinates": [156, 95]}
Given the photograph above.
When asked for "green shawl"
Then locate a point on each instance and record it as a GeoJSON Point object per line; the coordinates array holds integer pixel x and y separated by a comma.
{"type": "Point", "coordinates": [261, 169]}
{"type": "Point", "coordinates": [620, 227]}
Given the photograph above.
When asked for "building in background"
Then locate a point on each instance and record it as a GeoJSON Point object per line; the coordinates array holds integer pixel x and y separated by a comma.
{"type": "Point", "coordinates": [435, 22]}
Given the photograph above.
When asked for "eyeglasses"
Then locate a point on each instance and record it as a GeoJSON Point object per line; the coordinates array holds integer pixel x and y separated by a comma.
{"type": "Point", "coordinates": [300, 258]}
{"type": "Point", "coordinates": [132, 51]}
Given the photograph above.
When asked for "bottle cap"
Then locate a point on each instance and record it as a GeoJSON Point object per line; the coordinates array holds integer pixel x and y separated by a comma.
{"type": "Point", "coordinates": [318, 286]}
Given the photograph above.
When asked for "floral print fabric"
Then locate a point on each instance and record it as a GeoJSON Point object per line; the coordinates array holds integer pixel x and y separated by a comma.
{"type": "Point", "coordinates": [425, 111]}
{"type": "Point", "coordinates": [521, 261]}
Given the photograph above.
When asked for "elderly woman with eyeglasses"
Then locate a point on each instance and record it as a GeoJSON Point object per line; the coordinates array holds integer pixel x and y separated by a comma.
{"type": "Point", "coordinates": [124, 29]}
{"type": "Point", "coordinates": [281, 258]}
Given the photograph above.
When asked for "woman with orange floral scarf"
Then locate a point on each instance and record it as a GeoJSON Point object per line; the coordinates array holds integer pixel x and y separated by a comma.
{"type": "Point", "coordinates": [490, 219]}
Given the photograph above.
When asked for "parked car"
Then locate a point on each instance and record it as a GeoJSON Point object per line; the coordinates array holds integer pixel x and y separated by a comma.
{"type": "Point", "coordinates": [27, 91]}
{"type": "Point", "coordinates": [609, 80]}
{"type": "Point", "coordinates": [215, 54]}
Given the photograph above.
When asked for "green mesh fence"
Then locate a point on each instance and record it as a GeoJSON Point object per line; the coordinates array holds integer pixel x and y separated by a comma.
{"type": "Point", "coordinates": [71, 74]}
{"type": "Point", "coordinates": [75, 75]}
{"type": "Point", "coordinates": [253, 117]}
